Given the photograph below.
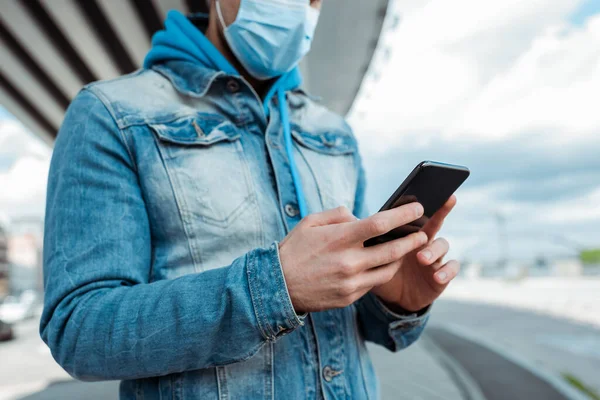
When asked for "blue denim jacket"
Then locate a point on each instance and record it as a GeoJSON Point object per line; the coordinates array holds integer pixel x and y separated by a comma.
{"type": "Point", "coordinates": [168, 192]}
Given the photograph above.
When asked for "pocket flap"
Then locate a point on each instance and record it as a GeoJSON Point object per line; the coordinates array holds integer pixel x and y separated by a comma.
{"type": "Point", "coordinates": [330, 142]}
{"type": "Point", "coordinates": [198, 130]}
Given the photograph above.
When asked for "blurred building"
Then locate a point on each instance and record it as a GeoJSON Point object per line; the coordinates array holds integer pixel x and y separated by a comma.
{"type": "Point", "coordinates": [21, 256]}
{"type": "Point", "coordinates": [24, 255]}
{"type": "Point", "coordinates": [564, 266]}
{"type": "Point", "coordinates": [3, 261]}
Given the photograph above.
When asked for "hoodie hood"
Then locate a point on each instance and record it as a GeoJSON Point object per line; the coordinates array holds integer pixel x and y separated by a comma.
{"type": "Point", "coordinates": [182, 40]}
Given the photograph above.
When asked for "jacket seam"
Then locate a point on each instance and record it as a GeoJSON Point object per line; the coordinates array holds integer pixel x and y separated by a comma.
{"type": "Point", "coordinates": [359, 339]}
{"type": "Point", "coordinates": [257, 303]}
{"type": "Point", "coordinates": [181, 209]}
{"type": "Point", "coordinates": [284, 294]}
{"type": "Point", "coordinates": [280, 296]}
{"type": "Point", "coordinates": [250, 183]}
{"type": "Point", "coordinates": [105, 102]}
{"type": "Point", "coordinates": [312, 172]}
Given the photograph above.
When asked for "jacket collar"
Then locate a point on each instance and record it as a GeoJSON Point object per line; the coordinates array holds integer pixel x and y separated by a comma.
{"type": "Point", "coordinates": [189, 78]}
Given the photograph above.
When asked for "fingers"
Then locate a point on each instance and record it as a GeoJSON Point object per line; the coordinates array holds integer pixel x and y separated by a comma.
{"type": "Point", "coordinates": [433, 226]}
{"type": "Point", "coordinates": [384, 221]}
{"type": "Point", "coordinates": [379, 276]}
{"type": "Point", "coordinates": [433, 252]}
{"type": "Point", "coordinates": [447, 272]}
{"type": "Point", "coordinates": [391, 251]}
{"type": "Point", "coordinates": [334, 216]}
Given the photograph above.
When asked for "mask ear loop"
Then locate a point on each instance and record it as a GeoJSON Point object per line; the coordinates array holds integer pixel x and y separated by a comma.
{"type": "Point", "coordinates": [220, 15]}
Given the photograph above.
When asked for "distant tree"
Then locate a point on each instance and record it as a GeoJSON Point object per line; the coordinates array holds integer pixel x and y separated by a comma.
{"type": "Point", "coordinates": [590, 256]}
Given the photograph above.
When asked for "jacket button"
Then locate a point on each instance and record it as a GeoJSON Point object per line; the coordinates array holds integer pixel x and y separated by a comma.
{"type": "Point", "coordinates": [233, 86]}
{"type": "Point", "coordinates": [291, 210]}
{"type": "Point", "coordinates": [330, 373]}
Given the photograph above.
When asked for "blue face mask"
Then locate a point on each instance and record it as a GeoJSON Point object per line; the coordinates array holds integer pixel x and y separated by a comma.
{"type": "Point", "coordinates": [270, 37]}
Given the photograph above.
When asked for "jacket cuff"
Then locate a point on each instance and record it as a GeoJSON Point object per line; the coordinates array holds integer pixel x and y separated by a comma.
{"type": "Point", "coordinates": [270, 297]}
{"type": "Point", "coordinates": [403, 330]}
{"type": "Point", "coordinates": [393, 316]}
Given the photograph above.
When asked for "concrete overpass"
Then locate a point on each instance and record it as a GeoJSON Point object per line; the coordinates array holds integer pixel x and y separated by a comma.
{"type": "Point", "coordinates": [50, 48]}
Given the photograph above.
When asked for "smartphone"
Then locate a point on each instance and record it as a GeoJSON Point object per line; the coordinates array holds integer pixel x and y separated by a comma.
{"type": "Point", "coordinates": [431, 184]}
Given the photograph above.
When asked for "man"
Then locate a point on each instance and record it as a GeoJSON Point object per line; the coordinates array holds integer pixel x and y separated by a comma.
{"type": "Point", "coordinates": [169, 191]}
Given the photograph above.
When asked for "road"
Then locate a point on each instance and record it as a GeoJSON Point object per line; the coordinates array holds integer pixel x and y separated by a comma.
{"type": "Point", "coordinates": [550, 343]}
{"type": "Point", "coordinates": [556, 345]}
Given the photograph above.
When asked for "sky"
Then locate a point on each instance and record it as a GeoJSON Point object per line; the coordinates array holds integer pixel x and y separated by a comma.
{"type": "Point", "coordinates": [510, 89]}
{"type": "Point", "coordinates": [24, 163]}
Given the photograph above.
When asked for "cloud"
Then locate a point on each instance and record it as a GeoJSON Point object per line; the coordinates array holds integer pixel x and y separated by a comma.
{"type": "Point", "coordinates": [523, 168]}
{"type": "Point", "coordinates": [555, 84]}
{"type": "Point", "coordinates": [24, 163]}
{"type": "Point", "coordinates": [498, 69]}
{"type": "Point", "coordinates": [16, 140]}
{"type": "Point", "coordinates": [509, 89]}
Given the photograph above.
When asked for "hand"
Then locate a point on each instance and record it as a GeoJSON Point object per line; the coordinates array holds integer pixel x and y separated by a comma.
{"type": "Point", "coordinates": [422, 275]}
{"type": "Point", "coordinates": [325, 264]}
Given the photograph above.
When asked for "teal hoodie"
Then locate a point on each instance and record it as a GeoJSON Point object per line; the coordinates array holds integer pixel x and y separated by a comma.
{"type": "Point", "coordinates": [182, 40]}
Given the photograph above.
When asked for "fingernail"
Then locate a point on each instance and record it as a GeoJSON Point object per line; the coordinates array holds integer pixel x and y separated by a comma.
{"type": "Point", "coordinates": [418, 210]}
{"type": "Point", "coordinates": [442, 276]}
{"type": "Point", "coordinates": [426, 254]}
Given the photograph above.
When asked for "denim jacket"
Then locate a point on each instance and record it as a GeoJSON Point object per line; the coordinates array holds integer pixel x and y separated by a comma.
{"type": "Point", "coordinates": [168, 192]}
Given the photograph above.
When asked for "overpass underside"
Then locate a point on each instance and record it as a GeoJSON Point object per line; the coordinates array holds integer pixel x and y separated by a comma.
{"type": "Point", "coordinates": [51, 48]}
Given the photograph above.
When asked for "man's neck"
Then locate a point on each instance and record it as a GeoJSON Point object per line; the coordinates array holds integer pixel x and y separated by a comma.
{"type": "Point", "coordinates": [215, 35]}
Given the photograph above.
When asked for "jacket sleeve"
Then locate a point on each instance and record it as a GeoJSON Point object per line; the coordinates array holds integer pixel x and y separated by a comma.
{"type": "Point", "coordinates": [102, 317]}
{"type": "Point", "coordinates": [377, 322]}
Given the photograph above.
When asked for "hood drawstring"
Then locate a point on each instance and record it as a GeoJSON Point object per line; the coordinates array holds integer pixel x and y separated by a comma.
{"type": "Point", "coordinates": [289, 149]}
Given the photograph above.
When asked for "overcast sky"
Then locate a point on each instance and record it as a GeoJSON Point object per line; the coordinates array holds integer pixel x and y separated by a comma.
{"type": "Point", "coordinates": [508, 88]}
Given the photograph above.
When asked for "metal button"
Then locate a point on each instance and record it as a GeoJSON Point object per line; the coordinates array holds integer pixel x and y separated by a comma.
{"type": "Point", "coordinates": [291, 210]}
{"type": "Point", "coordinates": [233, 86]}
{"type": "Point", "coordinates": [330, 373]}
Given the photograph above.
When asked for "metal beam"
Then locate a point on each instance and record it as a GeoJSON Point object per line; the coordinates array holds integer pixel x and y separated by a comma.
{"type": "Point", "coordinates": [126, 22]}
{"type": "Point", "coordinates": [73, 23]}
{"type": "Point", "coordinates": [149, 15]}
{"type": "Point", "coordinates": [24, 82]}
{"type": "Point", "coordinates": [25, 111]}
{"type": "Point", "coordinates": [40, 47]}
{"type": "Point", "coordinates": [11, 43]}
{"type": "Point", "coordinates": [96, 18]}
{"type": "Point", "coordinates": [164, 6]}
{"type": "Point", "coordinates": [39, 13]}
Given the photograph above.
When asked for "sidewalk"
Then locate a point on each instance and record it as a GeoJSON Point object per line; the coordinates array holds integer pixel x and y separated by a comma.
{"type": "Point", "coordinates": [415, 373]}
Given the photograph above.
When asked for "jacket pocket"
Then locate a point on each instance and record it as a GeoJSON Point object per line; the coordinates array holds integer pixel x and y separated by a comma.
{"type": "Point", "coordinates": [205, 163]}
{"type": "Point", "coordinates": [331, 157]}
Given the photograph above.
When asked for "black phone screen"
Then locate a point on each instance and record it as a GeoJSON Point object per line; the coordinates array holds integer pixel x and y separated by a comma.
{"type": "Point", "coordinates": [430, 184]}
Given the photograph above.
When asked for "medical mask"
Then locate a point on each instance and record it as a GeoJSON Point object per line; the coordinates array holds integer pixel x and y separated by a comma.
{"type": "Point", "coordinates": [270, 37]}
